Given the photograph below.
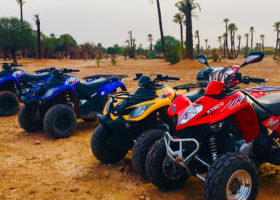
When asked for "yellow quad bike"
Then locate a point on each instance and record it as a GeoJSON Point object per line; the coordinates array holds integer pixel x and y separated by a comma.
{"type": "Point", "coordinates": [126, 116]}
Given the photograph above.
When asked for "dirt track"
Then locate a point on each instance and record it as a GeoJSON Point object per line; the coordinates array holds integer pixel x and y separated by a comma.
{"type": "Point", "coordinates": [34, 166]}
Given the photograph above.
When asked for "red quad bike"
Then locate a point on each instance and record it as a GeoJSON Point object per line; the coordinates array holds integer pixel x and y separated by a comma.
{"type": "Point", "coordinates": [223, 134]}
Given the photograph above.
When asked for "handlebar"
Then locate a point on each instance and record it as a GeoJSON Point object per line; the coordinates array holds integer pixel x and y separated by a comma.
{"type": "Point", "coordinates": [248, 79]}
{"type": "Point", "coordinates": [61, 72]}
{"type": "Point", "coordinates": [44, 70]}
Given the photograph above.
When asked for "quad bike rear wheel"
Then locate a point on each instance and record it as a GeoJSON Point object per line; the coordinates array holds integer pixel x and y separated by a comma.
{"type": "Point", "coordinates": [161, 171]}
{"type": "Point", "coordinates": [141, 149]}
{"type": "Point", "coordinates": [60, 121]}
{"type": "Point", "coordinates": [232, 176]}
{"type": "Point", "coordinates": [103, 150]}
{"type": "Point", "coordinates": [27, 122]}
{"type": "Point", "coordinates": [9, 103]}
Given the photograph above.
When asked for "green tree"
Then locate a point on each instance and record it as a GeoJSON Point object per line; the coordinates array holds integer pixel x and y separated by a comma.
{"type": "Point", "coordinates": [276, 27]}
{"type": "Point", "coordinates": [160, 26]}
{"type": "Point", "coordinates": [66, 44]}
{"type": "Point", "coordinates": [187, 7]}
{"type": "Point", "coordinates": [150, 39]}
{"type": "Point", "coordinates": [14, 35]}
{"type": "Point", "coordinates": [232, 29]}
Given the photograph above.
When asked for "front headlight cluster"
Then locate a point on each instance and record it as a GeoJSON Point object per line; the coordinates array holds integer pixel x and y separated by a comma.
{"type": "Point", "coordinates": [138, 111]}
{"type": "Point", "coordinates": [190, 113]}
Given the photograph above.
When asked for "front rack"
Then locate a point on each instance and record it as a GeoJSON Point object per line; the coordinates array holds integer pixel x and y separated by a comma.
{"type": "Point", "coordinates": [105, 76]}
{"type": "Point", "coordinates": [126, 95]}
{"type": "Point", "coordinates": [187, 86]}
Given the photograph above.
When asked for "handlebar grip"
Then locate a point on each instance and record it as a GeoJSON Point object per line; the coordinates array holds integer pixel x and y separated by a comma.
{"type": "Point", "coordinates": [258, 80]}
{"type": "Point", "coordinates": [174, 78]}
{"type": "Point", "coordinates": [75, 70]}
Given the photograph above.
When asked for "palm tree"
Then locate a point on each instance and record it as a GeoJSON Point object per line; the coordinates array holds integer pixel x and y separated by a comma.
{"type": "Point", "coordinates": [38, 24]}
{"type": "Point", "coordinates": [252, 29]}
{"type": "Point", "coordinates": [206, 47]}
{"type": "Point", "coordinates": [262, 39]}
{"type": "Point", "coordinates": [187, 7]}
{"type": "Point", "coordinates": [178, 19]}
{"type": "Point", "coordinates": [239, 43]}
{"type": "Point", "coordinates": [226, 20]}
{"type": "Point", "coordinates": [224, 38]}
{"type": "Point", "coordinates": [150, 39]}
{"type": "Point", "coordinates": [21, 3]}
{"type": "Point", "coordinates": [198, 41]}
{"type": "Point", "coordinates": [247, 45]}
{"type": "Point", "coordinates": [277, 29]}
{"type": "Point", "coordinates": [220, 41]}
{"type": "Point", "coordinates": [232, 28]}
{"type": "Point", "coordinates": [160, 27]}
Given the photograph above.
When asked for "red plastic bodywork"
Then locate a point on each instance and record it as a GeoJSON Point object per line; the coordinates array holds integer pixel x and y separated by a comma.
{"type": "Point", "coordinates": [214, 88]}
{"type": "Point", "coordinates": [178, 104]}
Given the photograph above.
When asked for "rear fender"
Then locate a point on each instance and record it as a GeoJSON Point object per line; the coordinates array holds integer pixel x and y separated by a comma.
{"type": "Point", "coordinates": [178, 104]}
{"type": "Point", "coordinates": [109, 87]}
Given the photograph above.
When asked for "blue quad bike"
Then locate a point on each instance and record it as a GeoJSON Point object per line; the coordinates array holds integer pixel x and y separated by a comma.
{"type": "Point", "coordinates": [14, 83]}
{"type": "Point", "coordinates": [56, 104]}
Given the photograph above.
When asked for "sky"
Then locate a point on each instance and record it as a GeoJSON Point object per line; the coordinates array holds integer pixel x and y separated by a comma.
{"type": "Point", "coordinates": [108, 21]}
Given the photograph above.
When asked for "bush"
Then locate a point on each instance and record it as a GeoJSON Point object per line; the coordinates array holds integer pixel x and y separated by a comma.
{"type": "Point", "coordinates": [97, 62]}
{"type": "Point", "coordinates": [215, 54]}
{"type": "Point", "coordinates": [173, 54]}
{"type": "Point", "coordinates": [113, 61]}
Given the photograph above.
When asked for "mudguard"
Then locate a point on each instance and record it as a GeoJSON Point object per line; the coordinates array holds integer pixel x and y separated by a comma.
{"type": "Point", "coordinates": [52, 92]}
{"type": "Point", "coordinates": [9, 78]}
{"type": "Point", "coordinates": [109, 87]}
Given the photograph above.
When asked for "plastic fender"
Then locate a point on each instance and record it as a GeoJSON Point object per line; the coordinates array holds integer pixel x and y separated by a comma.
{"type": "Point", "coordinates": [214, 88]}
{"type": "Point", "coordinates": [57, 90]}
{"type": "Point", "coordinates": [158, 103]}
{"type": "Point", "coordinates": [273, 123]}
{"type": "Point", "coordinates": [9, 78]}
{"type": "Point", "coordinates": [181, 102]}
{"type": "Point", "coordinates": [109, 87]}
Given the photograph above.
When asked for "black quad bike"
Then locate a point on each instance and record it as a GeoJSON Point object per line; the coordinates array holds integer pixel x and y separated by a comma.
{"type": "Point", "coordinates": [57, 103]}
{"type": "Point", "coordinates": [14, 83]}
{"type": "Point", "coordinates": [126, 116]}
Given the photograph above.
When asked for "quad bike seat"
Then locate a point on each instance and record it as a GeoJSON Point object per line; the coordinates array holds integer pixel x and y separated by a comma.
{"type": "Point", "coordinates": [94, 84]}
{"type": "Point", "coordinates": [86, 89]}
{"type": "Point", "coordinates": [271, 103]}
{"type": "Point", "coordinates": [35, 77]}
{"type": "Point", "coordinates": [194, 94]}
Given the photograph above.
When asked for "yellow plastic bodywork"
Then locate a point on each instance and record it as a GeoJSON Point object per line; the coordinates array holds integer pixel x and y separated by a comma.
{"type": "Point", "coordinates": [165, 96]}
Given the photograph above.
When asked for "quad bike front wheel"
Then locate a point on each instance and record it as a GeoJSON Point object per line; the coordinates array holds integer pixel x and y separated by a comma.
{"type": "Point", "coordinates": [141, 149]}
{"type": "Point", "coordinates": [232, 176]}
{"type": "Point", "coordinates": [161, 171]}
{"type": "Point", "coordinates": [60, 121]}
{"type": "Point", "coordinates": [103, 150]}
{"type": "Point", "coordinates": [27, 122]}
{"type": "Point", "coordinates": [9, 103]}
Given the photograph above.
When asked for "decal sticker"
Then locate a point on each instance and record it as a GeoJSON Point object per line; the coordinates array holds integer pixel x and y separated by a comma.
{"type": "Point", "coordinates": [165, 93]}
{"type": "Point", "coordinates": [72, 80]}
{"type": "Point", "coordinates": [235, 101]}
{"type": "Point", "coordinates": [210, 111]}
{"type": "Point", "coordinates": [18, 73]}
{"type": "Point", "coordinates": [272, 123]}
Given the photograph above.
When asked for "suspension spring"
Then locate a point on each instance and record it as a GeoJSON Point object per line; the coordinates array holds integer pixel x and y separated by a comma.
{"type": "Point", "coordinates": [213, 148]}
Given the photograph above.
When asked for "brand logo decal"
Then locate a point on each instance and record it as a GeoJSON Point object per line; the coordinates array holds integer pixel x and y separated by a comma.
{"type": "Point", "coordinates": [216, 107]}
{"type": "Point", "coordinates": [272, 123]}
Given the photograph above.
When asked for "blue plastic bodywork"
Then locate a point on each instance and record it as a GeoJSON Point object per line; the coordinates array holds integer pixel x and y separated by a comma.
{"type": "Point", "coordinates": [109, 87]}
{"type": "Point", "coordinates": [8, 78]}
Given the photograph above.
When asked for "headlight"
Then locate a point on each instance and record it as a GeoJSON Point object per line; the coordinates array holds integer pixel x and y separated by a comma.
{"type": "Point", "coordinates": [139, 110]}
{"type": "Point", "coordinates": [49, 93]}
{"type": "Point", "coordinates": [190, 113]}
{"type": "Point", "coordinates": [108, 106]}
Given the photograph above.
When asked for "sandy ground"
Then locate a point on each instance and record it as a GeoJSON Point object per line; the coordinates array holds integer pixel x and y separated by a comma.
{"type": "Point", "coordinates": [35, 166]}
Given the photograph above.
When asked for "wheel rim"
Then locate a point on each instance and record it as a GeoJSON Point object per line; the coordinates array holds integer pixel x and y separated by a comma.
{"type": "Point", "coordinates": [63, 122]}
{"type": "Point", "coordinates": [239, 186]}
{"type": "Point", "coordinates": [171, 170]}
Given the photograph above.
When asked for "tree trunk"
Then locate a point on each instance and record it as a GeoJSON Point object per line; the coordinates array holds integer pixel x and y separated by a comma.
{"type": "Point", "coordinates": [277, 41]}
{"type": "Point", "coordinates": [224, 48]}
{"type": "Point", "coordinates": [21, 13]}
{"type": "Point", "coordinates": [14, 56]}
{"type": "Point", "coordinates": [189, 33]}
{"type": "Point", "coordinates": [5, 55]}
{"type": "Point", "coordinates": [238, 51]}
{"type": "Point", "coordinates": [263, 44]}
{"type": "Point", "coordinates": [233, 41]}
{"type": "Point", "coordinates": [182, 37]}
{"type": "Point", "coordinates": [252, 40]}
{"type": "Point", "coordinates": [39, 39]}
{"type": "Point", "coordinates": [227, 41]}
{"type": "Point", "coordinates": [161, 28]}
{"type": "Point", "coordinates": [247, 47]}
{"type": "Point", "coordinates": [198, 45]}
{"type": "Point", "coordinates": [231, 44]}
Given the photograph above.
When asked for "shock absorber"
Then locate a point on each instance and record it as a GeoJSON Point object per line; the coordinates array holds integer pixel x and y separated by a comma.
{"type": "Point", "coordinates": [213, 147]}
